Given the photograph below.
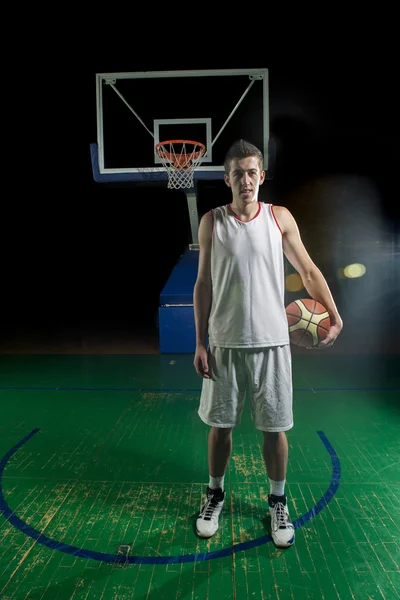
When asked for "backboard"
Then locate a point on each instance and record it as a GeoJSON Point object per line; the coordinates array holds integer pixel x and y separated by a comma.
{"type": "Point", "coordinates": [135, 111]}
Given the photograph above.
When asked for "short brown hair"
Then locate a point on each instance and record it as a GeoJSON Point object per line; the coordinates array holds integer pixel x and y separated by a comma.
{"type": "Point", "coordinates": [242, 149]}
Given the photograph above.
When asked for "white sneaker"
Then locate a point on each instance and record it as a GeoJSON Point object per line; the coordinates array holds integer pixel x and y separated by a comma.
{"type": "Point", "coordinates": [282, 529]}
{"type": "Point", "coordinates": [207, 521]}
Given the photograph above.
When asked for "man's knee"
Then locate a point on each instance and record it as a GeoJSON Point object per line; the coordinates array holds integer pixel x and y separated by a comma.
{"type": "Point", "coordinates": [221, 433]}
{"type": "Point", "coordinates": [273, 435]}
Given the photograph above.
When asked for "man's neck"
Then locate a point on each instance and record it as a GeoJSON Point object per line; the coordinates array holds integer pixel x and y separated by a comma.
{"type": "Point", "coordinates": [245, 212]}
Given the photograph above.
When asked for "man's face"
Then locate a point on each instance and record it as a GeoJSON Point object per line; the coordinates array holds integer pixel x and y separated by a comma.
{"type": "Point", "coordinates": [245, 178]}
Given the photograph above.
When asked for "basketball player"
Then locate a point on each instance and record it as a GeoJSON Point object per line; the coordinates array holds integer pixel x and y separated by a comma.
{"type": "Point", "coordinates": [239, 303]}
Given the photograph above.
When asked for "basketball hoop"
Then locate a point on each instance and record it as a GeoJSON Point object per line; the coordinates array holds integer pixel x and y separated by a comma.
{"type": "Point", "coordinates": [180, 158]}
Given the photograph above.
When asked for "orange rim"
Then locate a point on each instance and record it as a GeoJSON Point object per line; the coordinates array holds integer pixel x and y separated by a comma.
{"type": "Point", "coordinates": [181, 158]}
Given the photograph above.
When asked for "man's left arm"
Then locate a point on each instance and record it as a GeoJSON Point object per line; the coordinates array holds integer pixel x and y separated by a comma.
{"type": "Point", "coordinates": [313, 280]}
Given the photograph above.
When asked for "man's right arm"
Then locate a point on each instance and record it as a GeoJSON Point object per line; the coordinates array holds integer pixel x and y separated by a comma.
{"type": "Point", "coordinates": [202, 294]}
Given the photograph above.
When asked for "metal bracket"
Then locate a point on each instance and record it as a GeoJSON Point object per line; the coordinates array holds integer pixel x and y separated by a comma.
{"type": "Point", "coordinates": [256, 77]}
{"type": "Point", "coordinates": [191, 198]}
{"type": "Point", "coordinates": [109, 81]}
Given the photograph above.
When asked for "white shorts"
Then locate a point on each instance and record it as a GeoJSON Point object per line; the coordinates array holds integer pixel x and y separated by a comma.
{"type": "Point", "coordinates": [266, 375]}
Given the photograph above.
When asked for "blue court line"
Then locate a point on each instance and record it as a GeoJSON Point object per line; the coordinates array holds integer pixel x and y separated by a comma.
{"type": "Point", "coordinates": [179, 390]}
{"type": "Point", "coordinates": [16, 522]}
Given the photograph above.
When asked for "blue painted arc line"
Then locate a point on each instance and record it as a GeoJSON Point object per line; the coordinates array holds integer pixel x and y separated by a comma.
{"type": "Point", "coordinates": [16, 522]}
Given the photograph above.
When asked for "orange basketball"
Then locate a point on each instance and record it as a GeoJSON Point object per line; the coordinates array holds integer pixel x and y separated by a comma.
{"type": "Point", "coordinates": [308, 321]}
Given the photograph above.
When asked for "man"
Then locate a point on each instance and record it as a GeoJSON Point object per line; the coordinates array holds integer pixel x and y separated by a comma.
{"type": "Point", "coordinates": [239, 303]}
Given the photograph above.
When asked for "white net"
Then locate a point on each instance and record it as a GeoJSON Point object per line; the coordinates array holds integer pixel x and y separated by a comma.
{"type": "Point", "coordinates": [180, 159]}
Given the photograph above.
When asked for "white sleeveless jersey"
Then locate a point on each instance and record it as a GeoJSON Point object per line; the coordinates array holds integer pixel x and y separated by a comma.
{"type": "Point", "coordinates": [248, 281]}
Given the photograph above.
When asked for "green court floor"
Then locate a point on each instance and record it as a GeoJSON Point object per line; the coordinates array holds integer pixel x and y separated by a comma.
{"type": "Point", "coordinates": [104, 468]}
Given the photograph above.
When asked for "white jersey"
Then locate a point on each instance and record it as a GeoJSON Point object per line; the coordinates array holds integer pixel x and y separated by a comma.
{"type": "Point", "coordinates": [248, 281]}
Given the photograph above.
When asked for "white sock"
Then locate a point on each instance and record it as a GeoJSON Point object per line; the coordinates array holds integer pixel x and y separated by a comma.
{"type": "Point", "coordinates": [216, 482]}
{"type": "Point", "coordinates": [277, 488]}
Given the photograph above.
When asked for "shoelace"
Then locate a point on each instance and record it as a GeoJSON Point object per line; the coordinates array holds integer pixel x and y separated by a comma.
{"type": "Point", "coordinates": [209, 507]}
{"type": "Point", "coordinates": [280, 515]}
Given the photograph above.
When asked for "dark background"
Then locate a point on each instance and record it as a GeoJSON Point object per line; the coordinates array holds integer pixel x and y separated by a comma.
{"type": "Point", "coordinates": [77, 253]}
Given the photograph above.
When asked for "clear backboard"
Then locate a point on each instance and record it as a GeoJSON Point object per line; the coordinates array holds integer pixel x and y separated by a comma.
{"type": "Point", "coordinates": [137, 110]}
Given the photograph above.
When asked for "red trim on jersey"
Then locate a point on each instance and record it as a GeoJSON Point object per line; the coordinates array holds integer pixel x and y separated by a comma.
{"type": "Point", "coordinates": [276, 221]}
{"type": "Point", "coordinates": [236, 217]}
{"type": "Point", "coordinates": [212, 217]}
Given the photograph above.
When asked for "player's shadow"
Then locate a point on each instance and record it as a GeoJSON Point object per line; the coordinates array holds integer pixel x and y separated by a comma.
{"type": "Point", "coordinates": [67, 588]}
{"type": "Point", "coordinates": [185, 584]}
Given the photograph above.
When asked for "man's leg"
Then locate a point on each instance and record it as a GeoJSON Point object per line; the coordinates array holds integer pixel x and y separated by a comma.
{"type": "Point", "coordinates": [219, 451]}
{"type": "Point", "coordinates": [221, 402]}
{"type": "Point", "coordinates": [275, 450]}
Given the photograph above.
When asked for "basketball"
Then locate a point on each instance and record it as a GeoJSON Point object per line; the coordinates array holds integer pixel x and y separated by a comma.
{"type": "Point", "coordinates": [308, 321]}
